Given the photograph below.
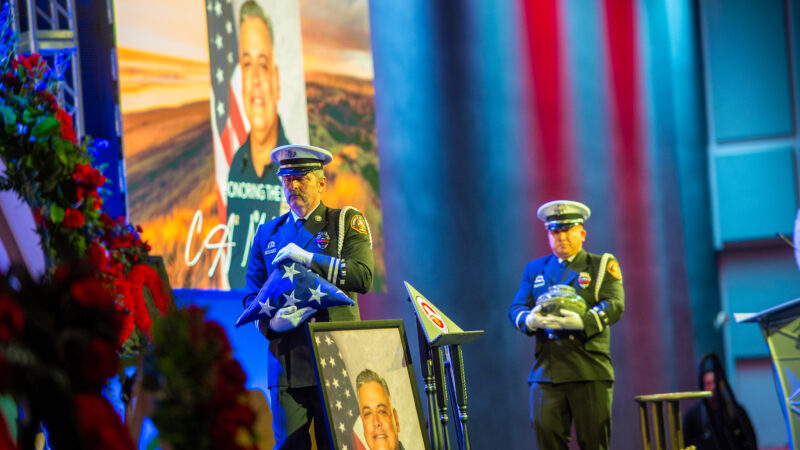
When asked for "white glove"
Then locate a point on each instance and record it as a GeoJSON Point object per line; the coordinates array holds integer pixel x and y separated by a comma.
{"type": "Point", "coordinates": [295, 253]}
{"type": "Point", "coordinates": [290, 317]}
{"type": "Point", "coordinates": [536, 319]}
{"type": "Point", "coordinates": [569, 321]}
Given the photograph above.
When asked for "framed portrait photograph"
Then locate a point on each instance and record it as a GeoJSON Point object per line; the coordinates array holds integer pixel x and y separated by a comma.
{"type": "Point", "coordinates": [368, 385]}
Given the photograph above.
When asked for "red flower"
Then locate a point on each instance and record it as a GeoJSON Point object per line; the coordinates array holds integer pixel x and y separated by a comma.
{"type": "Point", "coordinates": [61, 273]}
{"type": "Point", "coordinates": [67, 130]}
{"type": "Point", "coordinates": [98, 256]}
{"type": "Point", "coordinates": [99, 361]}
{"type": "Point", "coordinates": [73, 218]}
{"type": "Point", "coordinates": [108, 222]}
{"type": "Point", "coordinates": [10, 79]}
{"type": "Point", "coordinates": [130, 288]}
{"type": "Point", "coordinates": [64, 117]}
{"type": "Point", "coordinates": [229, 422]}
{"type": "Point", "coordinates": [98, 202]}
{"type": "Point", "coordinates": [96, 178]}
{"type": "Point", "coordinates": [87, 176]}
{"type": "Point", "coordinates": [230, 380]}
{"type": "Point", "coordinates": [48, 99]}
{"type": "Point", "coordinates": [37, 216]}
{"type": "Point", "coordinates": [141, 315]}
{"type": "Point", "coordinates": [144, 275]}
{"type": "Point", "coordinates": [91, 293]}
{"type": "Point", "coordinates": [79, 173]}
{"type": "Point", "coordinates": [215, 334]}
{"type": "Point", "coordinates": [11, 318]}
{"type": "Point", "coordinates": [99, 424]}
{"type": "Point", "coordinates": [128, 325]}
{"type": "Point", "coordinates": [126, 240]}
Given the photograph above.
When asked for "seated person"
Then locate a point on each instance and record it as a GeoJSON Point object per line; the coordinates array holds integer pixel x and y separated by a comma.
{"type": "Point", "coordinates": [717, 422]}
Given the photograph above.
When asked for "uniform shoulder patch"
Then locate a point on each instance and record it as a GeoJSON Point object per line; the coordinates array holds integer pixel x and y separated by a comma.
{"type": "Point", "coordinates": [359, 224]}
{"type": "Point", "coordinates": [613, 269]}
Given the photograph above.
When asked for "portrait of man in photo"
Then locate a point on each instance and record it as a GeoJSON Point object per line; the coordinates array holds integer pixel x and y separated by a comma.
{"type": "Point", "coordinates": [379, 418]}
{"type": "Point", "coordinates": [254, 190]}
{"type": "Point", "coordinates": [368, 385]}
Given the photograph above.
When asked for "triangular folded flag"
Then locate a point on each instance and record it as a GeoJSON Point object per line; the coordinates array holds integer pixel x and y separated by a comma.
{"type": "Point", "coordinates": [292, 284]}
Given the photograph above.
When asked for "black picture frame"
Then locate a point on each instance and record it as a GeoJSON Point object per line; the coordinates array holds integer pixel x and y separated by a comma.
{"type": "Point", "coordinates": [346, 351]}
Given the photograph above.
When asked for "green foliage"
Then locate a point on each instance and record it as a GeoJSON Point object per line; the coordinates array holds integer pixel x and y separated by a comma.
{"type": "Point", "coordinates": [9, 117]}
{"type": "Point", "coordinates": [56, 213]}
{"type": "Point", "coordinates": [46, 164]}
{"type": "Point", "coordinates": [370, 173]}
{"type": "Point", "coordinates": [45, 127]}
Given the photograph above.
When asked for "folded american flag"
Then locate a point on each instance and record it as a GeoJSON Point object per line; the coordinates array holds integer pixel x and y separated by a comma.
{"type": "Point", "coordinates": [292, 284]}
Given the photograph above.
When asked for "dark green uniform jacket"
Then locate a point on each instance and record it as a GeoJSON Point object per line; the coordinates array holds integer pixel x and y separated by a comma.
{"type": "Point", "coordinates": [342, 245]}
{"type": "Point", "coordinates": [564, 356]}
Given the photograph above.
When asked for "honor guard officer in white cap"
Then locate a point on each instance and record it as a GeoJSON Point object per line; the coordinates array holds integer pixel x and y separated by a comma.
{"type": "Point", "coordinates": [572, 377]}
{"type": "Point", "coordinates": [336, 244]}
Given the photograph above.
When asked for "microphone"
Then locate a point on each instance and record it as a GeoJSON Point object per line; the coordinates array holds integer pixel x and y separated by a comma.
{"type": "Point", "coordinates": [785, 239]}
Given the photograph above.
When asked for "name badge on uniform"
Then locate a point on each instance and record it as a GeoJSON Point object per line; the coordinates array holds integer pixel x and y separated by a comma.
{"type": "Point", "coordinates": [538, 282]}
{"type": "Point", "coordinates": [322, 239]}
{"type": "Point", "coordinates": [584, 279]}
{"type": "Point", "coordinates": [270, 248]}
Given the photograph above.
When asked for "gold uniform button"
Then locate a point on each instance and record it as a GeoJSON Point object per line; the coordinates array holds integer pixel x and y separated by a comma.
{"type": "Point", "coordinates": [572, 337]}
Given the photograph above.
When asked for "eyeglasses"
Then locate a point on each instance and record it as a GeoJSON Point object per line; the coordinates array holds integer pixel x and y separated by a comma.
{"type": "Point", "coordinates": [300, 178]}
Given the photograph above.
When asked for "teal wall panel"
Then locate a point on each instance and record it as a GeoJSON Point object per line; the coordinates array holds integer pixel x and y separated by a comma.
{"type": "Point", "coordinates": [753, 280]}
{"type": "Point", "coordinates": [756, 194]}
{"type": "Point", "coordinates": [750, 77]}
{"type": "Point", "coordinates": [757, 392]}
{"type": "Point", "coordinates": [749, 68]}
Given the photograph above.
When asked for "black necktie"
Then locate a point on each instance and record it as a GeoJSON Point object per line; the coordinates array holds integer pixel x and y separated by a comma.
{"type": "Point", "coordinates": [299, 224]}
{"type": "Point", "coordinates": [563, 266]}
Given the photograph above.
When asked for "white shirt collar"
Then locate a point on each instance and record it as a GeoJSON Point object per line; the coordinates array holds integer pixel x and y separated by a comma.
{"type": "Point", "coordinates": [569, 261]}
{"type": "Point", "coordinates": [294, 216]}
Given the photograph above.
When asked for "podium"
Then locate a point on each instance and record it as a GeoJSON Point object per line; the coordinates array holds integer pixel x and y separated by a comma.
{"type": "Point", "coordinates": [442, 363]}
{"type": "Point", "coordinates": [780, 326]}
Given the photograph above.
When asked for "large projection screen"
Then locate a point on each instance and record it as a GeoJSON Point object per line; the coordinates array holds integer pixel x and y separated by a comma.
{"type": "Point", "coordinates": [191, 84]}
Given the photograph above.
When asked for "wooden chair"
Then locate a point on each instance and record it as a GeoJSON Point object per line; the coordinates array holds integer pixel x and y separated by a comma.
{"type": "Point", "coordinates": [656, 402]}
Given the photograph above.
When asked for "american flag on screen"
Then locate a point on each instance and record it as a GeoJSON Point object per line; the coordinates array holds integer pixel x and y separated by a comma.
{"type": "Point", "coordinates": [342, 398]}
{"type": "Point", "coordinates": [228, 123]}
